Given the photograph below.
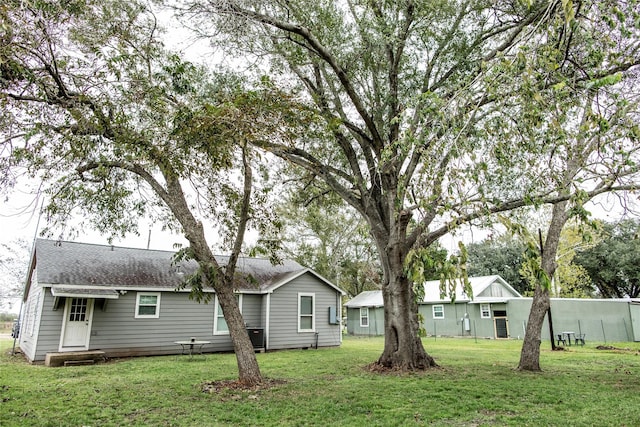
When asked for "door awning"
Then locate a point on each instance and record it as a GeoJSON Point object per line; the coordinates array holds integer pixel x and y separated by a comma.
{"type": "Point", "coordinates": [72, 292]}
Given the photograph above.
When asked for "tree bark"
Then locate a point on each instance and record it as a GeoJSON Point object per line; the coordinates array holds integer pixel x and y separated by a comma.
{"type": "Point", "coordinates": [403, 347]}
{"type": "Point", "coordinates": [248, 369]}
{"type": "Point", "coordinates": [530, 353]}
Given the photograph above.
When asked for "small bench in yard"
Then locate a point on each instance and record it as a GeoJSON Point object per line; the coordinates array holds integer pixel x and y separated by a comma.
{"type": "Point", "coordinates": [73, 358]}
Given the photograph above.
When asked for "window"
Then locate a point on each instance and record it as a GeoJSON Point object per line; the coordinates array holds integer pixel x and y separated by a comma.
{"type": "Point", "coordinates": [485, 311]}
{"type": "Point", "coordinates": [220, 326]}
{"type": "Point", "coordinates": [147, 306]}
{"type": "Point", "coordinates": [364, 317]}
{"type": "Point", "coordinates": [438, 311]}
{"type": "Point", "coordinates": [306, 313]}
{"type": "Point", "coordinates": [78, 310]}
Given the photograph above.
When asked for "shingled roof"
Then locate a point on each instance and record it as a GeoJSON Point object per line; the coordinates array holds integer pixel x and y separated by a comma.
{"type": "Point", "coordinates": [94, 266]}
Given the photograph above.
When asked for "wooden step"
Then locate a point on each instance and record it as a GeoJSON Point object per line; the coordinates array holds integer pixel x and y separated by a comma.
{"type": "Point", "coordinates": [63, 358]}
{"type": "Point", "coordinates": [79, 362]}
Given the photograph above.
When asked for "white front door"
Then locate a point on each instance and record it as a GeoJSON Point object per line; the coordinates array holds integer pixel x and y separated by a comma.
{"type": "Point", "coordinates": [76, 326]}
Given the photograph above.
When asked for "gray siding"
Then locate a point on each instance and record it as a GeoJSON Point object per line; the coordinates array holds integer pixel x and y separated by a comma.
{"type": "Point", "coordinates": [283, 325]}
{"type": "Point", "coordinates": [50, 327]}
{"type": "Point", "coordinates": [27, 341]}
{"type": "Point", "coordinates": [601, 320]}
{"type": "Point", "coordinates": [37, 319]}
{"type": "Point", "coordinates": [497, 290]}
{"type": "Point", "coordinates": [449, 325]}
{"type": "Point", "coordinates": [118, 332]}
{"type": "Point", "coordinates": [483, 327]}
{"type": "Point", "coordinates": [376, 322]}
{"type": "Point", "coordinates": [634, 311]}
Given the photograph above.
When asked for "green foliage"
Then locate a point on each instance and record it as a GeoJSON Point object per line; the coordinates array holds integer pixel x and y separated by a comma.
{"type": "Point", "coordinates": [432, 114]}
{"type": "Point", "coordinates": [433, 111]}
{"type": "Point", "coordinates": [570, 279]}
{"type": "Point", "coordinates": [14, 259]}
{"type": "Point", "coordinates": [502, 255]}
{"type": "Point", "coordinates": [531, 268]}
{"type": "Point", "coordinates": [109, 118]}
{"type": "Point", "coordinates": [324, 234]}
{"type": "Point", "coordinates": [612, 263]}
{"type": "Point", "coordinates": [432, 263]}
{"type": "Point", "coordinates": [203, 278]}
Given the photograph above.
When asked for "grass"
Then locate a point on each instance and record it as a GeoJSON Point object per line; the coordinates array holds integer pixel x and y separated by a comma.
{"type": "Point", "coordinates": [475, 386]}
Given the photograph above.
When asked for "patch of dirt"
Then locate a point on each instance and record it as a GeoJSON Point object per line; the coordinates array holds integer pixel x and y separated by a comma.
{"type": "Point", "coordinates": [235, 386]}
{"type": "Point", "coordinates": [377, 368]}
{"type": "Point", "coordinates": [612, 348]}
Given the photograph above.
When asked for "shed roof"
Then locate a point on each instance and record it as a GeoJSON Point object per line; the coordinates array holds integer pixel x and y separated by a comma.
{"type": "Point", "coordinates": [366, 299]}
{"type": "Point", "coordinates": [87, 265]}
{"type": "Point", "coordinates": [483, 292]}
{"type": "Point", "coordinates": [480, 285]}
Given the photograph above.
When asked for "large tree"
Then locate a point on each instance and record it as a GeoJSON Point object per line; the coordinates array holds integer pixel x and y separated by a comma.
{"type": "Point", "coordinates": [331, 238]}
{"type": "Point", "coordinates": [502, 255]}
{"type": "Point", "coordinates": [115, 126]}
{"type": "Point", "coordinates": [579, 108]}
{"type": "Point", "coordinates": [417, 99]}
{"type": "Point", "coordinates": [14, 257]}
{"type": "Point", "coordinates": [613, 264]}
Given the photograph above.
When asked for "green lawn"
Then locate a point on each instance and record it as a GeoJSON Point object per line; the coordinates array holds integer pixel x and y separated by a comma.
{"type": "Point", "coordinates": [476, 385]}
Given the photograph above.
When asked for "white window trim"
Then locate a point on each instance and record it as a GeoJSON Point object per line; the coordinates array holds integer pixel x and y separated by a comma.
{"type": "Point", "coordinates": [482, 311]}
{"type": "Point", "coordinates": [216, 317]}
{"type": "Point", "coordinates": [313, 311]}
{"type": "Point", "coordinates": [366, 316]}
{"type": "Point", "coordinates": [433, 311]}
{"type": "Point", "coordinates": [147, 316]}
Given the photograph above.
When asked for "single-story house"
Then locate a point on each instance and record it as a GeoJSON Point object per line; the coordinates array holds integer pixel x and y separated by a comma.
{"type": "Point", "coordinates": [127, 302]}
{"type": "Point", "coordinates": [497, 310]}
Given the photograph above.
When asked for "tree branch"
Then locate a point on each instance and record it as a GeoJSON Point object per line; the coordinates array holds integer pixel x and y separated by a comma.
{"type": "Point", "coordinates": [315, 46]}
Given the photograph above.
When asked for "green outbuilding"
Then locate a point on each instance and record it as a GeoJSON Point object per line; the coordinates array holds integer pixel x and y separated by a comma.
{"type": "Point", "coordinates": [496, 310]}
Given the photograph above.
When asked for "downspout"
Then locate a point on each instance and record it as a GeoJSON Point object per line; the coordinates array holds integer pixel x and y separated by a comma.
{"type": "Point", "coordinates": [266, 322]}
{"type": "Point", "coordinates": [339, 313]}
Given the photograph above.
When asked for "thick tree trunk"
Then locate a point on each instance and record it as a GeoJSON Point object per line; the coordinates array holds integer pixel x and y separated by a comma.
{"type": "Point", "coordinates": [403, 347]}
{"type": "Point", "coordinates": [248, 369]}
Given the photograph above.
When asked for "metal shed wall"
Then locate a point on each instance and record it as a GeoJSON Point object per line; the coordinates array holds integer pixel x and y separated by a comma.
{"type": "Point", "coordinates": [602, 320]}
